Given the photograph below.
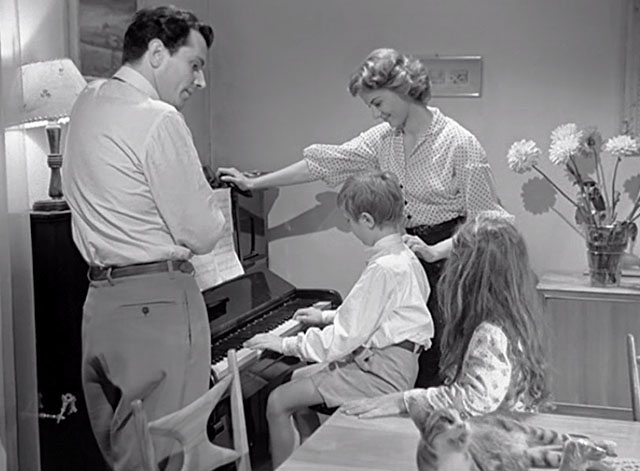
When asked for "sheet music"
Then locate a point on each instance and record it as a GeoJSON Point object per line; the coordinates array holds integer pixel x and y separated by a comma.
{"type": "Point", "coordinates": [222, 263]}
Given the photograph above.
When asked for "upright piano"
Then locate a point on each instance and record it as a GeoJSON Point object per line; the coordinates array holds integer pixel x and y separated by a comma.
{"type": "Point", "coordinates": [258, 301]}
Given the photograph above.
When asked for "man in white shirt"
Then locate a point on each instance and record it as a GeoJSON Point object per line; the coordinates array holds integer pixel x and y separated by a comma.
{"type": "Point", "coordinates": [141, 207]}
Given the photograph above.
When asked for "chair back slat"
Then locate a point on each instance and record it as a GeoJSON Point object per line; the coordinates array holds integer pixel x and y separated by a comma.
{"type": "Point", "coordinates": [188, 426]}
{"type": "Point", "coordinates": [634, 377]}
{"type": "Point", "coordinates": [144, 438]}
{"type": "Point", "coordinates": [240, 439]}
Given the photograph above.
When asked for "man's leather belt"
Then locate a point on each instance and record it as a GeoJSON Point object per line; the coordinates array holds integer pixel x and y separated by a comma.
{"type": "Point", "coordinates": [109, 273]}
{"type": "Point", "coordinates": [411, 346]}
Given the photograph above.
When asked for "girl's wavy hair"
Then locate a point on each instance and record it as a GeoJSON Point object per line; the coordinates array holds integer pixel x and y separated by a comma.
{"type": "Point", "coordinates": [389, 69]}
{"type": "Point", "coordinates": [488, 278]}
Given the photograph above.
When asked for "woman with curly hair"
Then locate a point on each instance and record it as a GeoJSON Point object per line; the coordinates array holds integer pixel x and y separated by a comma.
{"type": "Point", "coordinates": [442, 168]}
{"type": "Point", "coordinates": [493, 357]}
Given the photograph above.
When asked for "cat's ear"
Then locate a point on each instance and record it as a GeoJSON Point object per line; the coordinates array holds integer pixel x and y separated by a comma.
{"type": "Point", "coordinates": [420, 416]}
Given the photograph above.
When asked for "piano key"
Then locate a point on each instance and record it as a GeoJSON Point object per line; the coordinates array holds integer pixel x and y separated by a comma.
{"type": "Point", "coordinates": [244, 357]}
{"type": "Point", "coordinates": [279, 323]}
{"type": "Point", "coordinates": [287, 328]}
{"type": "Point", "coordinates": [247, 355]}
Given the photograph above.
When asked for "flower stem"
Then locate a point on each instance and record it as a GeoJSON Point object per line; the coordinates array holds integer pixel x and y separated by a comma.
{"type": "Point", "coordinates": [556, 187]}
{"type": "Point", "coordinates": [602, 180]}
{"type": "Point", "coordinates": [613, 185]}
{"type": "Point", "coordinates": [585, 195]}
{"type": "Point", "coordinates": [632, 214]}
{"type": "Point", "coordinates": [568, 222]}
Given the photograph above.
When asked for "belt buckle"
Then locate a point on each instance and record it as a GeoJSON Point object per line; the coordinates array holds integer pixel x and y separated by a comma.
{"type": "Point", "coordinates": [186, 267]}
{"type": "Point", "coordinates": [101, 274]}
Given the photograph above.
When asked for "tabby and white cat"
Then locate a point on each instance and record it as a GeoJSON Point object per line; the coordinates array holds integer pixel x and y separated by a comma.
{"type": "Point", "coordinates": [492, 442]}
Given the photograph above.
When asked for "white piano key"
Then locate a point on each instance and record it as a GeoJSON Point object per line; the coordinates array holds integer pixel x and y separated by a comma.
{"type": "Point", "coordinates": [244, 357]}
{"type": "Point", "coordinates": [247, 355]}
{"type": "Point", "coordinates": [288, 327]}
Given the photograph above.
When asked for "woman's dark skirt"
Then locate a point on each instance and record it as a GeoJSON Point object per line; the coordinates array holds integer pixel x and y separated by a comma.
{"type": "Point", "coordinates": [428, 374]}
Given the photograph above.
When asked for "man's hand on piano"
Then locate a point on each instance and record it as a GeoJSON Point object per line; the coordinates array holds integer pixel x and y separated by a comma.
{"type": "Point", "coordinates": [309, 315]}
{"type": "Point", "coordinates": [265, 342]}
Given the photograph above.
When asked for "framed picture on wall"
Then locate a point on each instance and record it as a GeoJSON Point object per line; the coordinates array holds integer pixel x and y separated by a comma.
{"type": "Point", "coordinates": [96, 33]}
{"type": "Point", "coordinates": [454, 76]}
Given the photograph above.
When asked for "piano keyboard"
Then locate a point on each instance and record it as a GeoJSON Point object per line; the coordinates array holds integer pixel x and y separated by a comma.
{"type": "Point", "coordinates": [284, 327]}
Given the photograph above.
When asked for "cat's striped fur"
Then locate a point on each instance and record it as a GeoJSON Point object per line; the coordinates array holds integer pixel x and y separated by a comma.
{"type": "Point", "coordinates": [489, 443]}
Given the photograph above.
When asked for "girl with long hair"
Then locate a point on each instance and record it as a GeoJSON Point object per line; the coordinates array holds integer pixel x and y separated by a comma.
{"type": "Point", "coordinates": [492, 344]}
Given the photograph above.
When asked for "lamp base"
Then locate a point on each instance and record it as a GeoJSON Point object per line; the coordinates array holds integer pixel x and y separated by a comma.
{"type": "Point", "coordinates": [51, 205]}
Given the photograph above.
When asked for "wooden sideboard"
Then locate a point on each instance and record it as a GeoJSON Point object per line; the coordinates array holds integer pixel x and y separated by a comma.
{"type": "Point", "coordinates": [587, 339]}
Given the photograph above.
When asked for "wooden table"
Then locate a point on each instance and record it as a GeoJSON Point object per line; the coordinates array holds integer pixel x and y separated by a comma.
{"type": "Point", "coordinates": [389, 444]}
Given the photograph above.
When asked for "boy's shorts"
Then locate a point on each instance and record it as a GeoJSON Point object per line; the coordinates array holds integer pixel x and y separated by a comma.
{"type": "Point", "coordinates": [364, 373]}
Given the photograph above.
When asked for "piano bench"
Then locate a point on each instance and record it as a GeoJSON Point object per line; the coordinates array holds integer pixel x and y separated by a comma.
{"type": "Point", "coordinates": [323, 409]}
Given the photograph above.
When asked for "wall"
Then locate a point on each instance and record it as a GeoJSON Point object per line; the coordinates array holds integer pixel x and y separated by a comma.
{"type": "Point", "coordinates": [280, 73]}
{"type": "Point", "coordinates": [45, 35]}
{"type": "Point", "coordinates": [278, 78]}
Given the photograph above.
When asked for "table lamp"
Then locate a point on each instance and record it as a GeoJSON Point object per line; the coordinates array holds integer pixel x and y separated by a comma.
{"type": "Point", "coordinates": [50, 89]}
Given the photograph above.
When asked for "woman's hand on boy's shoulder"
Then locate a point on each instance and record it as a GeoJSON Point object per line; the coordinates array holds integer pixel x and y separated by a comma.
{"type": "Point", "coordinates": [428, 253]}
{"type": "Point", "coordinates": [381, 406]}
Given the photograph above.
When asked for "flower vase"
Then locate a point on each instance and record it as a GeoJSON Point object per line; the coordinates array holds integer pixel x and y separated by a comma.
{"type": "Point", "coordinates": [605, 247]}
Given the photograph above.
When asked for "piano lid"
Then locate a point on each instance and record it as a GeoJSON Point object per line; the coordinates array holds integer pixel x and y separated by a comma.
{"type": "Point", "coordinates": [239, 299]}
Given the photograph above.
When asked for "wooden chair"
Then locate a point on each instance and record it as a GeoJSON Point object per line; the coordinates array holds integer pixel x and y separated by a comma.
{"type": "Point", "coordinates": [189, 427]}
{"type": "Point", "coordinates": [634, 380]}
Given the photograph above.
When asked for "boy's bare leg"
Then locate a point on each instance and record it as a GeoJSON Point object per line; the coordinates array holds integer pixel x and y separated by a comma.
{"type": "Point", "coordinates": [283, 402]}
{"type": "Point", "coordinates": [306, 421]}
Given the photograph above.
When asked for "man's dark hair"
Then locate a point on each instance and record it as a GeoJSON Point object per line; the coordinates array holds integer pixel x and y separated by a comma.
{"type": "Point", "coordinates": [169, 24]}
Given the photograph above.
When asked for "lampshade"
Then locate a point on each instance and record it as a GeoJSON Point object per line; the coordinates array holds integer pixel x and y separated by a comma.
{"type": "Point", "coordinates": [50, 89]}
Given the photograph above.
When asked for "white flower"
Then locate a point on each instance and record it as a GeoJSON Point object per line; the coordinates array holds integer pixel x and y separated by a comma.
{"type": "Point", "coordinates": [565, 131]}
{"type": "Point", "coordinates": [523, 155]}
{"type": "Point", "coordinates": [622, 146]}
{"type": "Point", "coordinates": [562, 149]}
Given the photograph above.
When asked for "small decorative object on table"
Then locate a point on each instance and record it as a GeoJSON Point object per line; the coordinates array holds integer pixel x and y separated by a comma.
{"type": "Point", "coordinates": [579, 151]}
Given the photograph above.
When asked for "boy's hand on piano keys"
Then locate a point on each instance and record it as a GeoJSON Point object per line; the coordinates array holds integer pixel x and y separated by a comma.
{"type": "Point", "coordinates": [265, 342]}
{"type": "Point", "coordinates": [309, 315]}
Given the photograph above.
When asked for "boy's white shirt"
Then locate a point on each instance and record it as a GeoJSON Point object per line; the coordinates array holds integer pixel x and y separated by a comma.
{"type": "Point", "coordinates": [387, 305]}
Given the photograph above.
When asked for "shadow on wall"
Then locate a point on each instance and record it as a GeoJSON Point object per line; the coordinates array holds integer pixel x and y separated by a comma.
{"type": "Point", "coordinates": [324, 215]}
{"type": "Point", "coordinates": [539, 196]}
